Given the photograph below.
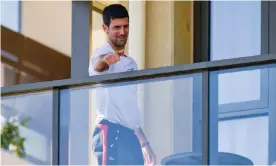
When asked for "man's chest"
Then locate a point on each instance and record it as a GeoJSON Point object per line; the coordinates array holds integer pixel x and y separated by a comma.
{"type": "Point", "coordinates": [125, 64]}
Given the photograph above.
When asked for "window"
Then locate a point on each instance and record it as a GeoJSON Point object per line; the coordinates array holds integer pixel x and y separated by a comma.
{"type": "Point", "coordinates": [11, 14]}
{"type": "Point", "coordinates": [237, 31]}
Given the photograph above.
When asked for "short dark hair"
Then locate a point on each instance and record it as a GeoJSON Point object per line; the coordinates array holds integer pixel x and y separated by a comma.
{"type": "Point", "coordinates": [114, 11]}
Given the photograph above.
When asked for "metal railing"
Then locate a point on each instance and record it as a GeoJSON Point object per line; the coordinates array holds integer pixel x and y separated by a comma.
{"type": "Point", "coordinates": [203, 67]}
{"type": "Point", "coordinates": [143, 74]}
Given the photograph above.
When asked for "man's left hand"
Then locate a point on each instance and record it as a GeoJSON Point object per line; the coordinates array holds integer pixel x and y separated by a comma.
{"type": "Point", "coordinates": [149, 155]}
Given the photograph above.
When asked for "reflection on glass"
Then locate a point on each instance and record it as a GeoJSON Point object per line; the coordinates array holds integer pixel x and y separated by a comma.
{"type": "Point", "coordinates": [27, 61]}
{"type": "Point", "coordinates": [243, 128]}
{"type": "Point", "coordinates": [235, 29]}
{"type": "Point", "coordinates": [170, 110]}
{"type": "Point", "coordinates": [30, 58]}
{"type": "Point", "coordinates": [36, 110]}
{"type": "Point", "coordinates": [246, 137]}
{"type": "Point", "coordinates": [12, 76]}
{"type": "Point", "coordinates": [236, 32]}
{"type": "Point", "coordinates": [8, 74]}
{"type": "Point", "coordinates": [237, 86]}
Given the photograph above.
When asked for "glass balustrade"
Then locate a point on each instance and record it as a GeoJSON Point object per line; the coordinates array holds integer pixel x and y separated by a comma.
{"type": "Point", "coordinates": [243, 115]}
{"type": "Point", "coordinates": [170, 109]}
{"type": "Point", "coordinates": [241, 107]}
{"type": "Point", "coordinates": [26, 129]}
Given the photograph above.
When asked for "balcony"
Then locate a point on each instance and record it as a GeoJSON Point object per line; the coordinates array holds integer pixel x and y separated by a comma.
{"type": "Point", "coordinates": [219, 112]}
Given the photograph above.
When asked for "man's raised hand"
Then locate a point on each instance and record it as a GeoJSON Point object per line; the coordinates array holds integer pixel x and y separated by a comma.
{"type": "Point", "coordinates": [112, 58]}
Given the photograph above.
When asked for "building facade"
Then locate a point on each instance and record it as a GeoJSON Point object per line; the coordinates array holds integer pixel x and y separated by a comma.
{"type": "Point", "coordinates": [45, 52]}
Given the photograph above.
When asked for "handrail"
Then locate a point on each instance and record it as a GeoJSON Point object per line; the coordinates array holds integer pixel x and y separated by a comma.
{"type": "Point", "coordinates": [143, 74]}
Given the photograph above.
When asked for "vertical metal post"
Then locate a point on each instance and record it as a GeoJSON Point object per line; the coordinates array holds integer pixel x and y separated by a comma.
{"type": "Point", "coordinates": [197, 113]}
{"type": "Point", "coordinates": [55, 127]}
{"type": "Point", "coordinates": [202, 31]}
{"type": "Point", "coordinates": [272, 81]}
{"type": "Point", "coordinates": [265, 27]}
{"type": "Point", "coordinates": [205, 118]}
{"type": "Point", "coordinates": [272, 26]}
{"type": "Point", "coordinates": [81, 16]}
{"type": "Point", "coordinates": [213, 113]}
{"type": "Point", "coordinates": [272, 116]}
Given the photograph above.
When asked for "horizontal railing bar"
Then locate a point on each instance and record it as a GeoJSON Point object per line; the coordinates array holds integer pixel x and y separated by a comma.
{"type": "Point", "coordinates": [143, 74]}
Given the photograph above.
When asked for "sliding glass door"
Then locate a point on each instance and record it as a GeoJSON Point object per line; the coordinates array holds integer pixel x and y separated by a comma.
{"type": "Point", "coordinates": [244, 96]}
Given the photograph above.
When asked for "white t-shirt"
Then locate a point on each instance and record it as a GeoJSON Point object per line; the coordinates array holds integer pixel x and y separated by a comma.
{"type": "Point", "coordinates": [117, 103]}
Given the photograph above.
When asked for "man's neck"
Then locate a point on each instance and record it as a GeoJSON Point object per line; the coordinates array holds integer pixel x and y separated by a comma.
{"type": "Point", "coordinates": [114, 47]}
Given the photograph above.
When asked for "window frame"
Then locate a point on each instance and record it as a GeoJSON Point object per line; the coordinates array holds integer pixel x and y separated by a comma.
{"type": "Point", "coordinates": [202, 54]}
{"type": "Point", "coordinates": [202, 42]}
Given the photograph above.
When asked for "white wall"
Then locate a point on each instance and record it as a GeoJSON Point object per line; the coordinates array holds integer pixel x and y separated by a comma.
{"type": "Point", "coordinates": [98, 35]}
{"type": "Point", "coordinates": [49, 23]}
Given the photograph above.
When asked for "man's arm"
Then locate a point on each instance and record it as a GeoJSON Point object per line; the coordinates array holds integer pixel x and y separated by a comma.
{"type": "Point", "coordinates": [146, 148]}
{"type": "Point", "coordinates": [100, 64]}
{"type": "Point", "coordinates": [141, 136]}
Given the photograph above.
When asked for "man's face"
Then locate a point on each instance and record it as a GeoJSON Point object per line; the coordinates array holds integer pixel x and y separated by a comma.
{"type": "Point", "coordinates": [117, 31]}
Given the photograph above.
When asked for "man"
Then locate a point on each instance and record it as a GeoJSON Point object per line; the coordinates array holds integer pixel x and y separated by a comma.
{"type": "Point", "coordinates": [118, 138]}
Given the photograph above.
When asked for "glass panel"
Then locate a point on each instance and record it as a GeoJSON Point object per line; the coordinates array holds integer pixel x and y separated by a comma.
{"type": "Point", "coordinates": [8, 74]}
{"type": "Point", "coordinates": [236, 32]}
{"type": "Point", "coordinates": [235, 89]}
{"type": "Point", "coordinates": [235, 29]}
{"type": "Point", "coordinates": [239, 91]}
{"type": "Point", "coordinates": [12, 76]}
{"type": "Point", "coordinates": [37, 147]}
{"type": "Point", "coordinates": [169, 110]}
{"type": "Point", "coordinates": [10, 14]}
{"type": "Point", "coordinates": [246, 135]}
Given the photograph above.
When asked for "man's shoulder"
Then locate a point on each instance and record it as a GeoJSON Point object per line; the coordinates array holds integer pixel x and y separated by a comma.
{"type": "Point", "coordinates": [103, 49]}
